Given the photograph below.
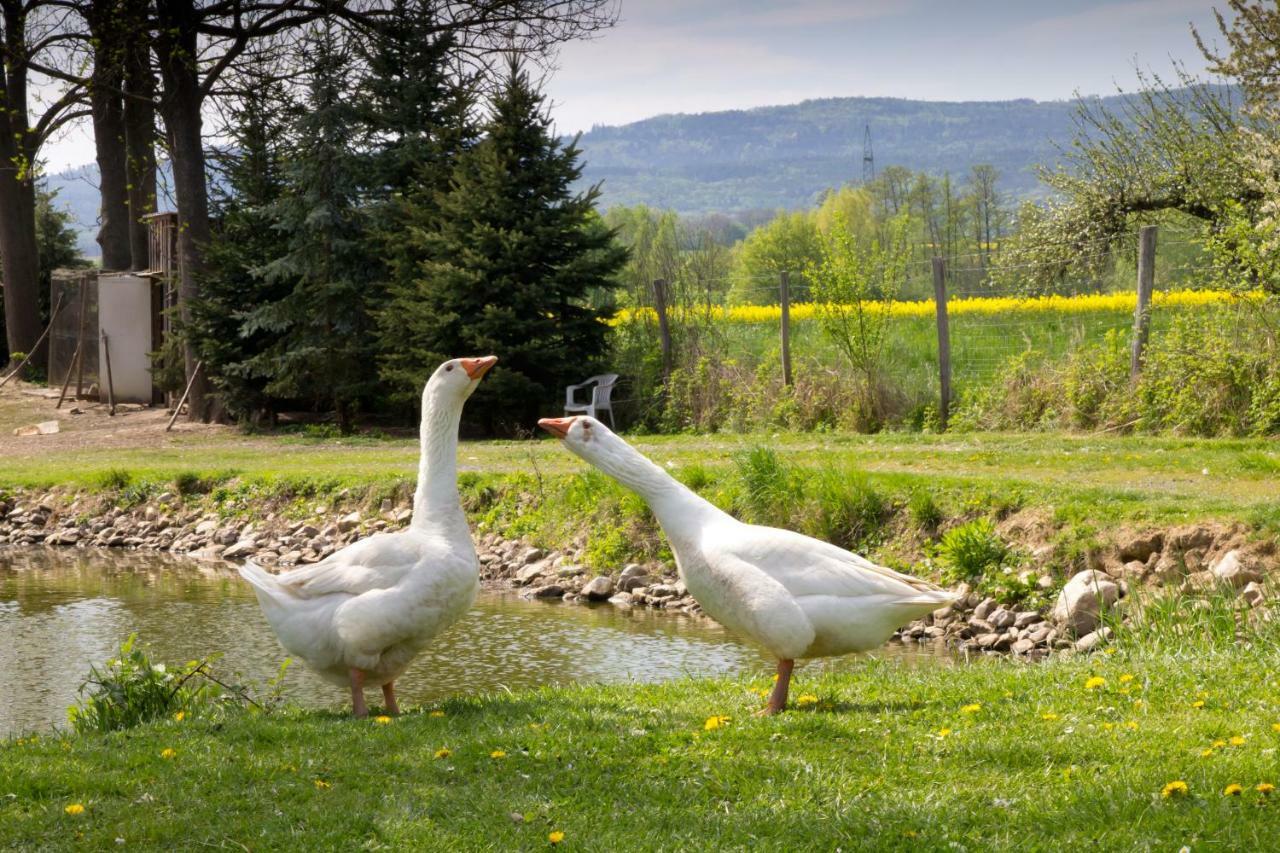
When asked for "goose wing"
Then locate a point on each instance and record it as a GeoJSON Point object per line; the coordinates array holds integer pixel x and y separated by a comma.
{"type": "Point", "coordinates": [379, 562]}
{"type": "Point", "coordinates": [752, 603]}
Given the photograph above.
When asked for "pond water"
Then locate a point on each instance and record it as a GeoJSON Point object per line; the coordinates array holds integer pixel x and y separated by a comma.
{"type": "Point", "coordinates": [62, 610]}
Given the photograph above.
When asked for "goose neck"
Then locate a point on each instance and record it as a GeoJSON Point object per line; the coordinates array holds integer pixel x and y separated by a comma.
{"type": "Point", "coordinates": [436, 499]}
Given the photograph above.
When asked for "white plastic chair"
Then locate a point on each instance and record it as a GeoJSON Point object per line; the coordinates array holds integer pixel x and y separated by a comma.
{"type": "Point", "coordinates": [601, 389]}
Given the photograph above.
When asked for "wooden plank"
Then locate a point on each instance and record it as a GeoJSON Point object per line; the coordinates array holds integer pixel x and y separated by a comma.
{"type": "Point", "coordinates": [1146, 284]}
{"type": "Point", "coordinates": [944, 341]}
{"type": "Point", "coordinates": [784, 301]}
{"type": "Point", "coordinates": [190, 382]}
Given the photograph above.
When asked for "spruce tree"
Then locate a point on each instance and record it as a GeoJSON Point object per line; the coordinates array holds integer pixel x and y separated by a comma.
{"type": "Point", "coordinates": [244, 240]}
{"type": "Point", "coordinates": [320, 351]}
{"type": "Point", "coordinates": [510, 257]}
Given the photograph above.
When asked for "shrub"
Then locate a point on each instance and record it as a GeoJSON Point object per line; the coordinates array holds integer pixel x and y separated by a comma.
{"type": "Point", "coordinates": [972, 551]}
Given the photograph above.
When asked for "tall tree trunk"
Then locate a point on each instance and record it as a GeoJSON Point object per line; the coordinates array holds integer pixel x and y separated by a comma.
{"type": "Point", "coordinates": [180, 104]}
{"type": "Point", "coordinates": [108, 139]}
{"type": "Point", "coordinates": [19, 254]}
{"type": "Point", "coordinates": [140, 130]}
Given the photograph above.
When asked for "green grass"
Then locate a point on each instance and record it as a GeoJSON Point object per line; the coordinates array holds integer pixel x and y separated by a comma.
{"type": "Point", "coordinates": [887, 758]}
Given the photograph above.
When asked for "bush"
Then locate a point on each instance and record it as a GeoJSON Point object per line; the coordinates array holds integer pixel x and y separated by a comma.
{"type": "Point", "coordinates": [972, 551]}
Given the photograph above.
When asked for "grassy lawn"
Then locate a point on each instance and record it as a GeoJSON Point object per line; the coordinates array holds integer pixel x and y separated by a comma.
{"type": "Point", "coordinates": [992, 755]}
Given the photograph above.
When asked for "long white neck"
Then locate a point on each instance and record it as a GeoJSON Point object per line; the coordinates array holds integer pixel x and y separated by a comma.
{"type": "Point", "coordinates": [435, 503]}
{"type": "Point", "coordinates": [678, 508]}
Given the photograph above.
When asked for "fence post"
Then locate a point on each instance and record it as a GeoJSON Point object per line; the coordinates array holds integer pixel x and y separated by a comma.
{"type": "Point", "coordinates": [944, 341]}
{"type": "Point", "coordinates": [784, 301]}
{"type": "Point", "coordinates": [664, 326]}
{"type": "Point", "coordinates": [1146, 283]}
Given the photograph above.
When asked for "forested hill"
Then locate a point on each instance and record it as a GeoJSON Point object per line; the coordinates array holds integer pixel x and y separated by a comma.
{"type": "Point", "coordinates": [784, 156]}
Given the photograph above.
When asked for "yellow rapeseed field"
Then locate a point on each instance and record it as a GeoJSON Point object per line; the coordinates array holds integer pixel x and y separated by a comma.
{"type": "Point", "coordinates": [980, 305]}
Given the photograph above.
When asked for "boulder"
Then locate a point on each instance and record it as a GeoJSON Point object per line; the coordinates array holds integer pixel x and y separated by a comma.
{"type": "Point", "coordinates": [984, 607]}
{"type": "Point", "coordinates": [1002, 619]}
{"type": "Point", "coordinates": [349, 522]}
{"type": "Point", "coordinates": [1082, 600]}
{"type": "Point", "coordinates": [240, 550]}
{"type": "Point", "coordinates": [599, 588]}
{"type": "Point", "coordinates": [633, 570]}
{"type": "Point", "coordinates": [551, 590]}
{"type": "Point", "coordinates": [1232, 569]}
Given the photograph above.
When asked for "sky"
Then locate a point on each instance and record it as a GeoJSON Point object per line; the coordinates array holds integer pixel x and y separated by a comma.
{"type": "Point", "coordinates": [668, 56]}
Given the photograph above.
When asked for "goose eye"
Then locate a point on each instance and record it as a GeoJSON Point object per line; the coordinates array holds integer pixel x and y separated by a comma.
{"type": "Point", "coordinates": [448, 367]}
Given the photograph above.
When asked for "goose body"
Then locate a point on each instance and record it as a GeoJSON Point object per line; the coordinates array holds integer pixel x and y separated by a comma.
{"type": "Point", "coordinates": [795, 596]}
{"type": "Point", "coordinates": [361, 615]}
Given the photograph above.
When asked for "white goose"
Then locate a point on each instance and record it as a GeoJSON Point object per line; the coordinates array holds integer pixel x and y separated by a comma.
{"type": "Point", "coordinates": [362, 614]}
{"type": "Point", "coordinates": [796, 596]}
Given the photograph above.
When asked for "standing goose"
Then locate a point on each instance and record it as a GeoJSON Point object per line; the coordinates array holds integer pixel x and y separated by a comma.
{"type": "Point", "coordinates": [362, 614]}
{"type": "Point", "coordinates": [796, 596]}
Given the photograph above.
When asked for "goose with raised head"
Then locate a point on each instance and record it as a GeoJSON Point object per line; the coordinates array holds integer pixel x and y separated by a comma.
{"type": "Point", "coordinates": [360, 616]}
{"type": "Point", "coordinates": [795, 596]}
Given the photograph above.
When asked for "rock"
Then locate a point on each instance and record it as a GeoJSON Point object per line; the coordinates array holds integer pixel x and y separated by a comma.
{"type": "Point", "coordinates": [1092, 640]}
{"type": "Point", "coordinates": [1021, 647]}
{"type": "Point", "coordinates": [1253, 594]}
{"type": "Point", "coordinates": [1187, 538]}
{"type": "Point", "coordinates": [988, 640]}
{"type": "Point", "coordinates": [42, 428]}
{"type": "Point", "coordinates": [984, 607]}
{"type": "Point", "coordinates": [551, 590]}
{"type": "Point", "coordinates": [227, 536]}
{"type": "Point", "coordinates": [633, 583]}
{"type": "Point", "coordinates": [1168, 569]}
{"type": "Point", "coordinates": [1136, 569]}
{"type": "Point", "coordinates": [622, 599]}
{"type": "Point", "coordinates": [1044, 582]}
{"type": "Point", "coordinates": [402, 515]}
{"type": "Point", "coordinates": [662, 590]}
{"type": "Point", "coordinates": [633, 570]}
{"type": "Point", "coordinates": [530, 573]}
{"type": "Point", "coordinates": [206, 527]}
{"type": "Point", "coordinates": [240, 550]}
{"type": "Point", "coordinates": [1026, 619]}
{"type": "Point", "coordinates": [1141, 546]}
{"type": "Point", "coordinates": [209, 553]}
{"type": "Point", "coordinates": [572, 570]}
{"type": "Point", "coordinates": [349, 522]}
{"type": "Point", "coordinates": [1082, 600]}
{"type": "Point", "coordinates": [1232, 569]}
{"type": "Point", "coordinates": [598, 588]}
{"type": "Point", "coordinates": [982, 626]}
{"type": "Point", "coordinates": [1002, 619]}
{"type": "Point", "coordinates": [531, 555]}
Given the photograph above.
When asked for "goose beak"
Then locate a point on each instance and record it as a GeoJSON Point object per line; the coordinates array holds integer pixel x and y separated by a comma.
{"type": "Point", "coordinates": [477, 367]}
{"type": "Point", "coordinates": [559, 427]}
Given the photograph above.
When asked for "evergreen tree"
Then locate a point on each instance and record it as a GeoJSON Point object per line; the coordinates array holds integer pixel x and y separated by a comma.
{"type": "Point", "coordinates": [244, 240]}
{"type": "Point", "coordinates": [320, 350]}
{"type": "Point", "coordinates": [508, 263]}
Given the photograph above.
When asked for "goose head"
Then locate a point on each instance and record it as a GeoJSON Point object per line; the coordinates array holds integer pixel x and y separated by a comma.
{"type": "Point", "coordinates": [588, 438]}
{"type": "Point", "coordinates": [455, 379]}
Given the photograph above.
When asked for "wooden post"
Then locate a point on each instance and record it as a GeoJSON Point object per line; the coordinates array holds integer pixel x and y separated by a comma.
{"type": "Point", "coordinates": [84, 299]}
{"type": "Point", "coordinates": [1146, 283]}
{"type": "Point", "coordinates": [664, 325]}
{"type": "Point", "coordinates": [784, 301]}
{"type": "Point", "coordinates": [75, 359]}
{"type": "Point", "coordinates": [111, 391]}
{"type": "Point", "coordinates": [178, 408]}
{"type": "Point", "coordinates": [944, 340]}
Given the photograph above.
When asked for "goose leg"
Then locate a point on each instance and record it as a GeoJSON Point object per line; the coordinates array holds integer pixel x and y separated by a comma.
{"type": "Point", "coordinates": [357, 694]}
{"type": "Point", "coordinates": [389, 698]}
{"type": "Point", "coordinates": [778, 698]}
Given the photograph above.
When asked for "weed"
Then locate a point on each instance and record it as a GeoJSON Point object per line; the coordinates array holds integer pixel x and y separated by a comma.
{"type": "Point", "coordinates": [972, 551]}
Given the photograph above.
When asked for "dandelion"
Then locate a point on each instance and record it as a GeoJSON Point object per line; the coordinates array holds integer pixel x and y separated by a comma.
{"type": "Point", "coordinates": [74, 809]}
{"type": "Point", "coordinates": [971, 709]}
{"type": "Point", "coordinates": [1232, 790]}
{"type": "Point", "coordinates": [1237, 740]}
{"type": "Point", "coordinates": [1050, 716]}
{"type": "Point", "coordinates": [497, 753]}
{"type": "Point", "coordinates": [322, 785]}
{"type": "Point", "coordinates": [943, 732]}
{"type": "Point", "coordinates": [1126, 678]}
{"type": "Point", "coordinates": [1218, 744]}
{"type": "Point", "coordinates": [443, 752]}
{"type": "Point", "coordinates": [1108, 726]}
{"type": "Point", "coordinates": [1265, 788]}
{"type": "Point", "coordinates": [1095, 682]}
{"type": "Point", "coordinates": [714, 722]}
{"type": "Point", "coordinates": [1176, 788]}
{"type": "Point", "coordinates": [382, 719]}
{"type": "Point", "coordinates": [436, 713]}
{"type": "Point", "coordinates": [807, 699]}
{"type": "Point", "coordinates": [1132, 725]}
{"type": "Point", "coordinates": [1275, 727]}
{"type": "Point", "coordinates": [555, 837]}
{"type": "Point", "coordinates": [1206, 753]}
{"type": "Point", "coordinates": [168, 753]}
{"type": "Point", "coordinates": [1199, 703]}
{"type": "Point", "coordinates": [180, 716]}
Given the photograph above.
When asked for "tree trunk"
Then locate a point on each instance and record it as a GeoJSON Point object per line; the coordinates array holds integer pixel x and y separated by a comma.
{"type": "Point", "coordinates": [140, 131]}
{"type": "Point", "coordinates": [108, 139]}
{"type": "Point", "coordinates": [180, 104]}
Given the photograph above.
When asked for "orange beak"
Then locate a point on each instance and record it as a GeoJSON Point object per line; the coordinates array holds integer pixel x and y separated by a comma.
{"type": "Point", "coordinates": [477, 367]}
{"type": "Point", "coordinates": [559, 427]}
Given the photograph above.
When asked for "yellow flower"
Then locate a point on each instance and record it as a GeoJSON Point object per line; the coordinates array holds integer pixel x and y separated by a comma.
{"type": "Point", "coordinates": [555, 837]}
{"type": "Point", "coordinates": [1108, 726]}
{"type": "Point", "coordinates": [1218, 744]}
{"type": "Point", "coordinates": [1199, 703]}
{"type": "Point", "coordinates": [1232, 790]}
{"type": "Point", "coordinates": [971, 709]}
{"type": "Point", "coordinates": [180, 716]}
{"type": "Point", "coordinates": [1176, 788]}
{"type": "Point", "coordinates": [322, 785]}
{"type": "Point", "coordinates": [1126, 678]}
{"type": "Point", "coordinates": [714, 722]}
{"type": "Point", "coordinates": [1237, 740]}
{"type": "Point", "coordinates": [1132, 724]}
{"type": "Point", "coordinates": [1206, 753]}
{"type": "Point", "coordinates": [1049, 716]}
{"type": "Point", "coordinates": [436, 714]}
{"type": "Point", "coordinates": [807, 699]}
{"type": "Point", "coordinates": [943, 732]}
{"type": "Point", "coordinates": [74, 808]}
{"type": "Point", "coordinates": [497, 753]}
{"type": "Point", "coordinates": [382, 719]}
{"type": "Point", "coordinates": [1095, 682]}
{"type": "Point", "coordinates": [168, 753]}
{"type": "Point", "coordinates": [443, 752]}
{"type": "Point", "coordinates": [1265, 788]}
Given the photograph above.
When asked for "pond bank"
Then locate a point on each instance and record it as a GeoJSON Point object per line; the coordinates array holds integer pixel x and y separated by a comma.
{"type": "Point", "coordinates": [1066, 610]}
